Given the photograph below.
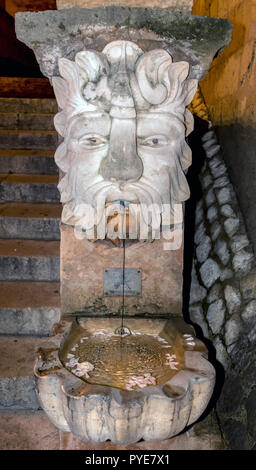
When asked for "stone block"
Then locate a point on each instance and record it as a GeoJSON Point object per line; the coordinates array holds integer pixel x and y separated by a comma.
{"type": "Point", "coordinates": [249, 312]}
{"type": "Point", "coordinates": [233, 329]}
{"type": "Point", "coordinates": [29, 260]}
{"type": "Point", "coordinates": [183, 6]}
{"type": "Point", "coordinates": [17, 383]}
{"type": "Point", "coordinates": [210, 272]}
{"type": "Point", "coordinates": [82, 276]}
{"type": "Point", "coordinates": [203, 249]}
{"type": "Point", "coordinates": [233, 298]}
{"type": "Point", "coordinates": [242, 262]}
{"type": "Point", "coordinates": [94, 28]}
{"type": "Point", "coordinates": [221, 353]}
{"type": "Point", "coordinates": [27, 430]}
{"type": "Point", "coordinates": [215, 316]}
{"type": "Point", "coordinates": [236, 434]}
{"type": "Point", "coordinates": [197, 292]}
{"type": "Point", "coordinates": [221, 249]}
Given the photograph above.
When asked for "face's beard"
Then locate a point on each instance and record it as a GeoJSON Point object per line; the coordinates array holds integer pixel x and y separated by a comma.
{"type": "Point", "coordinates": [92, 204]}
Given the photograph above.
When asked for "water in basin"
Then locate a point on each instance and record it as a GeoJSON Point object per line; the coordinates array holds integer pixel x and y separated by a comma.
{"type": "Point", "coordinates": [126, 362]}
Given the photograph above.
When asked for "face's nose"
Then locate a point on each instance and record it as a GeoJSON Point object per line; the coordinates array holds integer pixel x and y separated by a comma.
{"type": "Point", "coordinates": [122, 163]}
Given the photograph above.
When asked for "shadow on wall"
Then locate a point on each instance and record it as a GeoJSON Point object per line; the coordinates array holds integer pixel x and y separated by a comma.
{"type": "Point", "coordinates": [198, 159]}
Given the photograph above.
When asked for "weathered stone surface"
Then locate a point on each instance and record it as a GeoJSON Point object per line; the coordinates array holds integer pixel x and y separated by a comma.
{"type": "Point", "coordinates": [206, 181]}
{"type": "Point", "coordinates": [215, 293]}
{"type": "Point", "coordinates": [231, 226]}
{"type": "Point", "coordinates": [199, 214]}
{"type": "Point", "coordinates": [212, 214]}
{"type": "Point", "coordinates": [197, 317]}
{"type": "Point", "coordinates": [210, 197]}
{"type": "Point", "coordinates": [242, 262]}
{"type": "Point", "coordinates": [26, 121]}
{"type": "Point", "coordinates": [221, 249]}
{"type": "Point", "coordinates": [82, 276]}
{"type": "Point", "coordinates": [221, 182]}
{"type": "Point", "coordinates": [89, 28]}
{"type": "Point", "coordinates": [252, 335]}
{"type": "Point", "coordinates": [236, 434]}
{"type": "Point", "coordinates": [203, 249]}
{"type": "Point", "coordinates": [233, 327]}
{"type": "Point", "coordinates": [249, 313]}
{"type": "Point", "coordinates": [226, 405]}
{"type": "Point", "coordinates": [215, 230]}
{"type": "Point", "coordinates": [29, 260]}
{"type": "Point", "coordinates": [221, 353]}
{"type": "Point", "coordinates": [248, 286]}
{"type": "Point", "coordinates": [200, 233]}
{"type": "Point", "coordinates": [226, 274]}
{"type": "Point", "coordinates": [27, 162]}
{"type": "Point", "coordinates": [210, 152]}
{"type": "Point", "coordinates": [30, 221]}
{"type": "Point", "coordinates": [215, 316]}
{"type": "Point", "coordinates": [28, 321]}
{"type": "Point", "coordinates": [27, 430]}
{"type": "Point", "coordinates": [227, 211]}
{"type": "Point", "coordinates": [28, 105]}
{"type": "Point", "coordinates": [197, 292]}
{"type": "Point", "coordinates": [17, 384]}
{"type": "Point", "coordinates": [251, 413]}
{"type": "Point", "coordinates": [224, 196]}
{"type": "Point", "coordinates": [13, 139]}
{"type": "Point", "coordinates": [208, 135]}
{"type": "Point", "coordinates": [233, 298]}
{"type": "Point", "coordinates": [184, 6]}
{"type": "Point", "coordinates": [209, 142]}
{"type": "Point", "coordinates": [29, 188]}
{"type": "Point", "coordinates": [218, 170]}
{"type": "Point", "coordinates": [210, 272]}
{"type": "Point", "coordinates": [239, 242]}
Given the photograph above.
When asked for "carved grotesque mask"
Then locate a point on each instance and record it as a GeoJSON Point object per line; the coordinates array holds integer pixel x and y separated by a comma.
{"type": "Point", "coordinates": [124, 122]}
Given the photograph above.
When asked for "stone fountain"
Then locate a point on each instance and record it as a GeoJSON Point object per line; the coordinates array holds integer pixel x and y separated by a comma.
{"type": "Point", "coordinates": [122, 364]}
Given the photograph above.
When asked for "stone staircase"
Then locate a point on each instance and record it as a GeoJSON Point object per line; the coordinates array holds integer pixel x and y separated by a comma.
{"type": "Point", "coordinates": [29, 244]}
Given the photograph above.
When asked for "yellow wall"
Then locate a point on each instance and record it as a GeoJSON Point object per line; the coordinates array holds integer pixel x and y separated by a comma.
{"type": "Point", "coordinates": [229, 90]}
{"type": "Point", "coordinates": [230, 86]}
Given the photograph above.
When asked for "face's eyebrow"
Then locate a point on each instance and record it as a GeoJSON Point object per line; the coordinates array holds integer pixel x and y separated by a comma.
{"type": "Point", "coordinates": [90, 122]}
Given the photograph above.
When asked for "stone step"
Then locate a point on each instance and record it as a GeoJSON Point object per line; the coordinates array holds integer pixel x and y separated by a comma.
{"type": "Point", "coordinates": [28, 105]}
{"type": "Point", "coordinates": [23, 121]}
{"type": "Point", "coordinates": [27, 430]}
{"type": "Point", "coordinates": [29, 188]}
{"type": "Point", "coordinates": [32, 430]}
{"type": "Point", "coordinates": [29, 260]}
{"type": "Point", "coordinates": [28, 139]}
{"type": "Point", "coordinates": [29, 308]}
{"type": "Point", "coordinates": [17, 384]}
{"type": "Point", "coordinates": [27, 221]}
{"type": "Point", "coordinates": [28, 161]}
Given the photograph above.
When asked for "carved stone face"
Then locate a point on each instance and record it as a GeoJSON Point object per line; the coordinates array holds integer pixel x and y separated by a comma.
{"type": "Point", "coordinates": [124, 122]}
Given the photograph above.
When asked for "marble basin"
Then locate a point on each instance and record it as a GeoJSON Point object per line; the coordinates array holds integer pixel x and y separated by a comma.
{"type": "Point", "coordinates": [98, 412]}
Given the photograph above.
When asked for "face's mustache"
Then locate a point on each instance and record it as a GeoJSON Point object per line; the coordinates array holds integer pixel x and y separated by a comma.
{"type": "Point", "coordinates": [100, 193]}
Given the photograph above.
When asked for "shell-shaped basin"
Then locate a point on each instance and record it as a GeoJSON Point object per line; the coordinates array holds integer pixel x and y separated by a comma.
{"type": "Point", "coordinates": [149, 384]}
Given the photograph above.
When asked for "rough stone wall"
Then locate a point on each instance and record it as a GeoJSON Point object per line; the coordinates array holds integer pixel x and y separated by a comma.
{"type": "Point", "coordinates": [223, 296]}
{"type": "Point", "coordinates": [183, 6]}
{"type": "Point", "coordinates": [230, 93]}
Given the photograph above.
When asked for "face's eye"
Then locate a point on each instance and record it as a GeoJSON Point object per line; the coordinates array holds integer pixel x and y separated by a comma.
{"type": "Point", "coordinates": [154, 141]}
{"type": "Point", "coordinates": [91, 141]}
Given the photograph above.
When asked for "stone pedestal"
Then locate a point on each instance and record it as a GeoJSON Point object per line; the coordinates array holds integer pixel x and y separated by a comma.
{"type": "Point", "coordinates": [83, 264]}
